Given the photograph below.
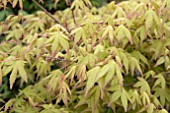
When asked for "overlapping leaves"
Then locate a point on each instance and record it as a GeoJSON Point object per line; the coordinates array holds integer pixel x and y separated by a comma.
{"type": "Point", "coordinates": [116, 56]}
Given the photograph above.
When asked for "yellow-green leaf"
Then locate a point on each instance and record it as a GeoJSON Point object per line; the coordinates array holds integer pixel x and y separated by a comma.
{"type": "Point", "coordinates": [115, 96]}
{"type": "Point", "coordinates": [1, 76]}
{"type": "Point", "coordinates": [160, 61]}
{"type": "Point", "coordinates": [124, 101]}
{"type": "Point", "coordinates": [91, 78]}
{"type": "Point", "coordinates": [13, 76]}
{"type": "Point", "coordinates": [22, 72]}
{"type": "Point", "coordinates": [64, 43]}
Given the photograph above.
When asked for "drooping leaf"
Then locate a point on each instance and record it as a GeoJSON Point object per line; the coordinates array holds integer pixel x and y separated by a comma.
{"type": "Point", "coordinates": [115, 96]}
{"type": "Point", "coordinates": [13, 76]}
{"type": "Point", "coordinates": [144, 86]}
{"type": "Point", "coordinates": [160, 61]}
{"type": "Point", "coordinates": [91, 78]}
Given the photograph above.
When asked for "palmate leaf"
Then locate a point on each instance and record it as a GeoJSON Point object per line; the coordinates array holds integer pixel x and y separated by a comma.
{"type": "Point", "coordinates": [110, 32]}
{"type": "Point", "coordinates": [124, 97]}
{"type": "Point", "coordinates": [124, 101]}
{"type": "Point", "coordinates": [109, 76]}
{"type": "Point", "coordinates": [79, 33]}
{"type": "Point", "coordinates": [71, 73]}
{"type": "Point", "coordinates": [58, 27]}
{"type": "Point", "coordinates": [149, 73]}
{"type": "Point", "coordinates": [115, 96]}
{"type": "Point", "coordinates": [124, 59]}
{"type": "Point", "coordinates": [15, 34]}
{"type": "Point", "coordinates": [160, 81]}
{"type": "Point", "coordinates": [64, 92]}
{"type": "Point", "coordinates": [91, 78]}
{"type": "Point", "coordinates": [111, 69]}
{"type": "Point", "coordinates": [163, 94]}
{"type": "Point", "coordinates": [63, 42]}
{"type": "Point", "coordinates": [13, 76]}
{"type": "Point", "coordinates": [94, 99]}
{"type": "Point", "coordinates": [135, 98]}
{"type": "Point", "coordinates": [58, 39]}
{"type": "Point", "coordinates": [149, 19]}
{"type": "Point", "coordinates": [104, 70]}
{"type": "Point", "coordinates": [81, 74]}
{"type": "Point", "coordinates": [123, 32]}
{"type": "Point", "coordinates": [144, 86]}
{"type": "Point", "coordinates": [141, 32]}
{"type": "Point", "coordinates": [54, 79]}
{"type": "Point", "coordinates": [18, 68]}
{"type": "Point", "coordinates": [107, 71]}
{"type": "Point", "coordinates": [138, 55]}
{"type": "Point", "coordinates": [156, 47]}
{"type": "Point", "coordinates": [33, 26]}
{"type": "Point", "coordinates": [134, 64]}
{"type": "Point", "coordinates": [119, 12]}
{"type": "Point", "coordinates": [145, 99]}
{"type": "Point", "coordinates": [42, 67]}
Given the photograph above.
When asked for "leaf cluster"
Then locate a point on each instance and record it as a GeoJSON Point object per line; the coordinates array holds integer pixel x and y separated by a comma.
{"type": "Point", "coordinates": [112, 59]}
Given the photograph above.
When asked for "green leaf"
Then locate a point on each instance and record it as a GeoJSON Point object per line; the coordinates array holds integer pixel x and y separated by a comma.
{"type": "Point", "coordinates": [124, 101]}
{"type": "Point", "coordinates": [144, 86]}
{"type": "Point", "coordinates": [160, 61]}
{"type": "Point", "coordinates": [13, 75]}
{"type": "Point", "coordinates": [6, 70]}
{"type": "Point", "coordinates": [91, 78]}
{"type": "Point", "coordinates": [149, 73]}
{"type": "Point", "coordinates": [9, 104]}
{"type": "Point", "coordinates": [160, 80]}
{"type": "Point", "coordinates": [140, 56]}
{"type": "Point", "coordinates": [71, 73]}
{"type": "Point", "coordinates": [128, 34]}
{"type": "Point", "coordinates": [109, 76]}
{"type": "Point", "coordinates": [145, 99]}
{"type": "Point", "coordinates": [103, 71]}
{"type": "Point", "coordinates": [115, 96]}
{"type": "Point", "coordinates": [149, 19]}
{"type": "Point", "coordinates": [134, 63]}
{"type": "Point", "coordinates": [22, 71]}
{"type": "Point", "coordinates": [122, 32]}
{"type": "Point", "coordinates": [64, 43]}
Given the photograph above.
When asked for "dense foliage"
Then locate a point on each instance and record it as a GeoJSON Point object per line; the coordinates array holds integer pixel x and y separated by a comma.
{"type": "Point", "coordinates": [29, 7]}
{"type": "Point", "coordinates": [112, 59]}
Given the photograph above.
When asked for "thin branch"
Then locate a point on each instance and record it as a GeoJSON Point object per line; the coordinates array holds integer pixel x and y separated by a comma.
{"type": "Point", "coordinates": [48, 13]}
{"type": "Point", "coordinates": [68, 2]}
{"type": "Point", "coordinates": [73, 17]}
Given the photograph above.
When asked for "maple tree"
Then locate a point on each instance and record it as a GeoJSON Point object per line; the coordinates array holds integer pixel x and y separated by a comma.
{"type": "Point", "coordinates": [86, 59]}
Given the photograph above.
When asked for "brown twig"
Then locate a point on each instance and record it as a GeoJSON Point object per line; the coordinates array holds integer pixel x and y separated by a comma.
{"type": "Point", "coordinates": [48, 13]}
{"type": "Point", "coordinates": [73, 16]}
{"type": "Point", "coordinates": [68, 2]}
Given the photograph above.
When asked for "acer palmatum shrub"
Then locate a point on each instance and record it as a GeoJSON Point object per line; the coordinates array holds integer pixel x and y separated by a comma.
{"type": "Point", "coordinates": [88, 60]}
